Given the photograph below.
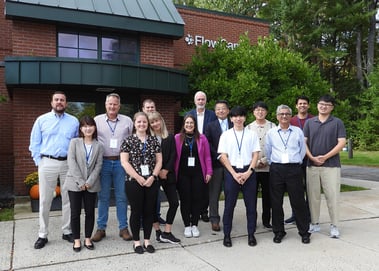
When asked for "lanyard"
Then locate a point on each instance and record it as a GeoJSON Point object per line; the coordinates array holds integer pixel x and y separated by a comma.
{"type": "Point", "coordinates": [190, 144]}
{"type": "Point", "coordinates": [239, 145]}
{"type": "Point", "coordinates": [143, 152]}
{"type": "Point", "coordinates": [114, 128]}
{"type": "Point", "coordinates": [285, 142]}
{"type": "Point", "coordinates": [88, 153]}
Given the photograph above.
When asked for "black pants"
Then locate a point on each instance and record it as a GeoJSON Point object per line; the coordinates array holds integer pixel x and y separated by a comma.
{"type": "Point", "coordinates": [192, 190]}
{"type": "Point", "coordinates": [263, 179]}
{"type": "Point", "coordinates": [169, 187]}
{"type": "Point", "coordinates": [288, 177]}
{"type": "Point", "coordinates": [88, 199]}
{"type": "Point", "coordinates": [142, 201]}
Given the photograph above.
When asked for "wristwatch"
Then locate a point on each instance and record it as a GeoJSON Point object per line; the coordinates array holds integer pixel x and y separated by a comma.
{"type": "Point", "coordinates": [252, 169]}
{"type": "Point", "coordinates": [155, 177]}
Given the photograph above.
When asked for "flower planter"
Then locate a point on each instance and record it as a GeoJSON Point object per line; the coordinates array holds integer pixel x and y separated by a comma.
{"type": "Point", "coordinates": [56, 204]}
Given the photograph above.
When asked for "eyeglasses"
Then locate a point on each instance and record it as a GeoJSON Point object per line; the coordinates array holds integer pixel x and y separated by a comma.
{"type": "Point", "coordinates": [284, 114]}
{"type": "Point", "coordinates": [324, 104]}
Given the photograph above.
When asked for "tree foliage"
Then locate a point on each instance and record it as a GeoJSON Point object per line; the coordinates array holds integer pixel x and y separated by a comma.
{"type": "Point", "coordinates": [250, 73]}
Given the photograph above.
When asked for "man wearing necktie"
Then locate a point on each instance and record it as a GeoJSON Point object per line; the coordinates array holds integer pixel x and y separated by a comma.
{"type": "Point", "coordinates": [213, 132]}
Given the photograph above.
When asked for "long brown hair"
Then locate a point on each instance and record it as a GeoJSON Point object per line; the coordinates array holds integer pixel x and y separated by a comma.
{"type": "Point", "coordinates": [157, 116]}
{"type": "Point", "coordinates": [195, 131]}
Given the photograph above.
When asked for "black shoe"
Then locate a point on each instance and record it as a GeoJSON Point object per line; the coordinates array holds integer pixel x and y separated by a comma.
{"type": "Point", "coordinates": [251, 240]}
{"type": "Point", "coordinates": [306, 239]}
{"type": "Point", "coordinates": [68, 237]}
{"type": "Point", "coordinates": [90, 247]}
{"type": "Point", "coordinates": [168, 237]}
{"type": "Point", "coordinates": [267, 225]}
{"type": "Point", "coordinates": [40, 243]}
{"type": "Point", "coordinates": [138, 249]}
{"type": "Point", "coordinates": [77, 249]}
{"type": "Point", "coordinates": [227, 241]}
{"type": "Point", "coordinates": [205, 217]}
{"type": "Point", "coordinates": [278, 237]}
{"type": "Point", "coordinates": [158, 234]}
{"type": "Point", "coordinates": [149, 248]}
{"type": "Point", "coordinates": [290, 220]}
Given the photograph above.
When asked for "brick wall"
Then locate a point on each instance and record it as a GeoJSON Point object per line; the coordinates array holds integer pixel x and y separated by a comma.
{"type": "Point", "coordinates": [33, 39]}
{"type": "Point", "coordinates": [6, 150]}
{"type": "Point", "coordinates": [157, 51]}
{"type": "Point", "coordinates": [33, 103]}
{"type": "Point", "coordinates": [213, 26]}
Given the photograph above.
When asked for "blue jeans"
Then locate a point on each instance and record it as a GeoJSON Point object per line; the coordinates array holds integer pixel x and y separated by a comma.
{"type": "Point", "coordinates": [112, 173]}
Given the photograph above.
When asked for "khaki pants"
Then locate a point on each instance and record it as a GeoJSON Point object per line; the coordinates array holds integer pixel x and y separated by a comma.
{"type": "Point", "coordinates": [329, 178]}
{"type": "Point", "coordinates": [49, 170]}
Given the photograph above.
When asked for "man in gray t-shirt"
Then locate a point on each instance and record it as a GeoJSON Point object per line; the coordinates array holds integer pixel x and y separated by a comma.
{"type": "Point", "coordinates": [325, 136]}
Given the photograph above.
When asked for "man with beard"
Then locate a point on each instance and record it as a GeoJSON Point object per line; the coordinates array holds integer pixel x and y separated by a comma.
{"type": "Point", "coordinates": [49, 142]}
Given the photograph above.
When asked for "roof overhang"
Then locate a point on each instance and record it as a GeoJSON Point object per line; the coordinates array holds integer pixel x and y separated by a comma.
{"type": "Point", "coordinates": [158, 17]}
{"type": "Point", "coordinates": [44, 72]}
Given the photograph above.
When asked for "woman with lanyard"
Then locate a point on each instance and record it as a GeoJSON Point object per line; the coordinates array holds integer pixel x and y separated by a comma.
{"type": "Point", "coordinates": [141, 158]}
{"type": "Point", "coordinates": [193, 167]}
{"type": "Point", "coordinates": [166, 177]}
{"type": "Point", "coordinates": [85, 159]}
{"type": "Point", "coordinates": [239, 148]}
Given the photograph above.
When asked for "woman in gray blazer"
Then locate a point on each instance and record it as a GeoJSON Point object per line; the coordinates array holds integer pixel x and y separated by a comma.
{"type": "Point", "coordinates": [85, 158]}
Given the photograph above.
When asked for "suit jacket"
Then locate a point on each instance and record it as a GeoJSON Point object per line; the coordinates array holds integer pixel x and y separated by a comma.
{"type": "Point", "coordinates": [169, 157]}
{"type": "Point", "coordinates": [203, 151]}
{"type": "Point", "coordinates": [209, 116]}
{"type": "Point", "coordinates": [213, 132]}
{"type": "Point", "coordinates": [78, 172]}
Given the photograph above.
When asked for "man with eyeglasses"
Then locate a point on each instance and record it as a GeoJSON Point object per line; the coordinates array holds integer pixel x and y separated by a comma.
{"type": "Point", "coordinates": [261, 125]}
{"type": "Point", "coordinates": [302, 106]}
{"type": "Point", "coordinates": [285, 149]}
{"type": "Point", "coordinates": [325, 136]}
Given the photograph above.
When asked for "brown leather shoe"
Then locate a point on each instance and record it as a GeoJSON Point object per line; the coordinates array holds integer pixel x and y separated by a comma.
{"type": "Point", "coordinates": [216, 227]}
{"type": "Point", "coordinates": [124, 233]}
{"type": "Point", "coordinates": [100, 234]}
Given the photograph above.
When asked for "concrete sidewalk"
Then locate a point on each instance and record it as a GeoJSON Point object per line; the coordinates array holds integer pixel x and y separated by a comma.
{"type": "Point", "coordinates": [356, 249]}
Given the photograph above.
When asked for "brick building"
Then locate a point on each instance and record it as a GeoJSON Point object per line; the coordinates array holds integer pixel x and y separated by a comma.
{"type": "Point", "coordinates": [90, 48]}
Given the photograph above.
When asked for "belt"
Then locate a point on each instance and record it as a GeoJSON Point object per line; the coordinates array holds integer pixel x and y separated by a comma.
{"type": "Point", "coordinates": [287, 164]}
{"type": "Point", "coordinates": [59, 158]}
{"type": "Point", "coordinates": [111, 158]}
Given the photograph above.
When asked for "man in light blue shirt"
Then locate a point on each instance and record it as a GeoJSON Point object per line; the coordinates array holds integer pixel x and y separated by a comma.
{"type": "Point", "coordinates": [285, 149]}
{"type": "Point", "coordinates": [49, 142]}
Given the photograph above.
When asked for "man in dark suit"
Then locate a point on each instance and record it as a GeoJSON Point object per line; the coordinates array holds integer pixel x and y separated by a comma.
{"type": "Point", "coordinates": [203, 118]}
{"type": "Point", "coordinates": [213, 132]}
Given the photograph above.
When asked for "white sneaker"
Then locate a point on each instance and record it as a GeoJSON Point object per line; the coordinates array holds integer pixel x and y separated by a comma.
{"type": "Point", "coordinates": [188, 232]}
{"type": "Point", "coordinates": [334, 232]}
{"type": "Point", "coordinates": [195, 231]}
{"type": "Point", "coordinates": [314, 228]}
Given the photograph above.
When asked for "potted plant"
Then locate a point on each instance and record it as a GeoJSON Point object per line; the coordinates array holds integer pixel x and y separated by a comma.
{"type": "Point", "coordinates": [31, 181]}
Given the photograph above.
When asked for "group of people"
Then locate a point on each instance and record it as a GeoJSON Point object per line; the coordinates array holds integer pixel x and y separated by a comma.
{"type": "Point", "coordinates": [214, 151]}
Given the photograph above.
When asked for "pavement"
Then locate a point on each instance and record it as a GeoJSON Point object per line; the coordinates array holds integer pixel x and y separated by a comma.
{"type": "Point", "coordinates": [356, 249]}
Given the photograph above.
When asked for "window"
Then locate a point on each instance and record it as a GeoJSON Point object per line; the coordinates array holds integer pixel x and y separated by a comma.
{"type": "Point", "coordinates": [101, 47]}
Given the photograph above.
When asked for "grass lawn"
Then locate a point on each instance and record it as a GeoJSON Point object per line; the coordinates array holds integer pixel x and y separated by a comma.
{"type": "Point", "coordinates": [6, 214]}
{"type": "Point", "coordinates": [361, 158]}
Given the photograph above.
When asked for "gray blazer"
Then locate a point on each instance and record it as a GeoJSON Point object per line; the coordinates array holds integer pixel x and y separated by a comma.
{"type": "Point", "coordinates": [78, 172]}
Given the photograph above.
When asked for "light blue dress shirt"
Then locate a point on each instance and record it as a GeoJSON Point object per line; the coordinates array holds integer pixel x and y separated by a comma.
{"type": "Point", "coordinates": [51, 135]}
{"type": "Point", "coordinates": [282, 144]}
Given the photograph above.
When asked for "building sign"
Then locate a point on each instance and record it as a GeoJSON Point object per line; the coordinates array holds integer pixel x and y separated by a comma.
{"type": "Point", "coordinates": [198, 40]}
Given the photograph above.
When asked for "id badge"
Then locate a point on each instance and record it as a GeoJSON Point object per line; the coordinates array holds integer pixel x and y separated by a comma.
{"type": "Point", "coordinates": [145, 170]}
{"type": "Point", "coordinates": [239, 163]}
{"type": "Point", "coordinates": [285, 159]}
{"type": "Point", "coordinates": [113, 143]}
{"type": "Point", "coordinates": [191, 161]}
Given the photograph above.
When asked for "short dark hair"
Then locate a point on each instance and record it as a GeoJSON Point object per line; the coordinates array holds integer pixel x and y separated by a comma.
{"type": "Point", "coordinates": [238, 111]}
{"type": "Point", "coordinates": [259, 104]}
{"type": "Point", "coordinates": [327, 98]}
{"type": "Point", "coordinates": [302, 97]}
{"type": "Point", "coordinates": [87, 120]}
{"type": "Point", "coordinates": [222, 102]}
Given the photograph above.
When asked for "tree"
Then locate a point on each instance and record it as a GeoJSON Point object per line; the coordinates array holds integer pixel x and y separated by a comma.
{"type": "Point", "coordinates": [250, 73]}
